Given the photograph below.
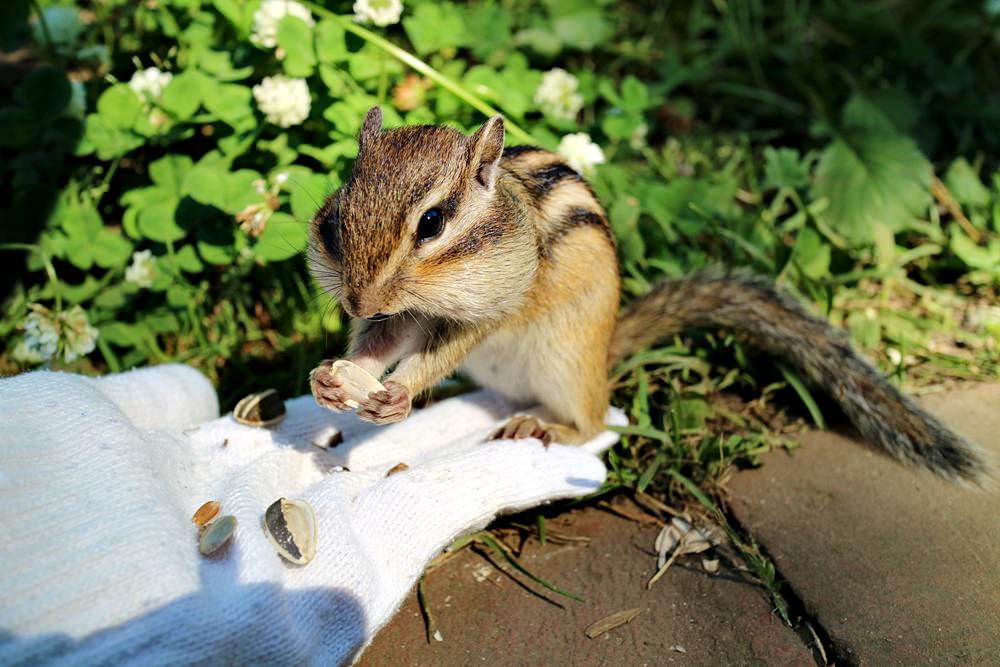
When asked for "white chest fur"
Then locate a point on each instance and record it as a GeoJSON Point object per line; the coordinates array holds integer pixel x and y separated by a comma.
{"type": "Point", "coordinates": [504, 362]}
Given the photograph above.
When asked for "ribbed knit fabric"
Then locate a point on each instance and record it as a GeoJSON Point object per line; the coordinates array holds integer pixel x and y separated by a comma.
{"type": "Point", "coordinates": [99, 478]}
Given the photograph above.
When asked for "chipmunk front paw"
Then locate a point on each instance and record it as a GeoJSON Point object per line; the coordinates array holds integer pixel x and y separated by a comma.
{"type": "Point", "coordinates": [327, 389]}
{"type": "Point", "coordinates": [386, 407]}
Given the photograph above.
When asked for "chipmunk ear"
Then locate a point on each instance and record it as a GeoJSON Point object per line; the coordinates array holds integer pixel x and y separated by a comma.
{"type": "Point", "coordinates": [486, 148]}
{"type": "Point", "coordinates": [370, 128]}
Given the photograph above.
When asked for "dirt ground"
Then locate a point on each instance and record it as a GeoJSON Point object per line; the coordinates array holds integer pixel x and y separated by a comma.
{"type": "Point", "coordinates": [888, 566]}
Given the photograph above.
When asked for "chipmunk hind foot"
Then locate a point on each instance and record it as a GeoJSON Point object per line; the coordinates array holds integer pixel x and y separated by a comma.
{"type": "Point", "coordinates": [520, 427]}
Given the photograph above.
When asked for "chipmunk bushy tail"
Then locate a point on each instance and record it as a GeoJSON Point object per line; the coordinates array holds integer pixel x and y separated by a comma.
{"type": "Point", "coordinates": [755, 308]}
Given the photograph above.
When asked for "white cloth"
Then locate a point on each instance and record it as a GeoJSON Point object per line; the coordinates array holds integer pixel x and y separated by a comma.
{"type": "Point", "coordinates": [99, 478]}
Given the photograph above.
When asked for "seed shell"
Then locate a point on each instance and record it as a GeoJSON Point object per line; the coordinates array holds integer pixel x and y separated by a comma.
{"type": "Point", "coordinates": [264, 408]}
{"type": "Point", "coordinates": [356, 381]}
{"type": "Point", "coordinates": [399, 467]}
{"type": "Point", "coordinates": [206, 513]}
{"type": "Point", "coordinates": [217, 535]}
{"type": "Point", "coordinates": [329, 442]}
{"type": "Point", "coordinates": [290, 525]}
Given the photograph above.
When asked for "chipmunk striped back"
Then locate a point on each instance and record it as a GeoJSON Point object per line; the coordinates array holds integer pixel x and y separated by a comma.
{"type": "Point", "coordinates": [558, 196]}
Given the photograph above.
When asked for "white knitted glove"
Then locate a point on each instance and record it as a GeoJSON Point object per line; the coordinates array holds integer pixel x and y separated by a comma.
{"type": "Point", "coordinates": [98, 480]}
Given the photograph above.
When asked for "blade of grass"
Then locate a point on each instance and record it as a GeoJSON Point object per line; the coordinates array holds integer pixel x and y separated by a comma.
{"type": "Point", "coordinates": [420, 66]}
{"type": "Point", "coordinates": [430, 625]}
{"type": "Point", "coordinates": [759, 565]}
{"type": "Point", "coordinates": [487, 539]}
{"type": "Point", "coordinates": [645, 431]}
{"type": "Point", "coordinates": [792, 379]}
{"type": "Point", "coordinates": [699, 495]}
{"type": "Point", "coordinates": [647, 475]}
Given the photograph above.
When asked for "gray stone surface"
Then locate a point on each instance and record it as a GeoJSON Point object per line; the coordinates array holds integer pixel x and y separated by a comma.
{"type": "Point", "coordinates": [898, 567]}
{"type": "Point", "coordinates": [487, 618]}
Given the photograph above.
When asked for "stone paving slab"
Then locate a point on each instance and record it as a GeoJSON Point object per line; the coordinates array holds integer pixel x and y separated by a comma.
{"type": "Point", "coordinates": [898, 567]}
{"type": "Point", "coordinates": [486, 617]}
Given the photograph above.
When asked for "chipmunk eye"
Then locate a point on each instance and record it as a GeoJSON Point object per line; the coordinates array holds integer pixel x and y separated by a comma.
{"type": "Point", "coordinates": [431, 224]}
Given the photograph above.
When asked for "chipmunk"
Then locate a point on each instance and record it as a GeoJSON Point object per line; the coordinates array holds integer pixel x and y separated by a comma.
{"type": "Point", "coordinates": [450, 251]}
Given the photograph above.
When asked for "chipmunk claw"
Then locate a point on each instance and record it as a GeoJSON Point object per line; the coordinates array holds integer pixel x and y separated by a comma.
{"type": "Point", "coordinates": [388, 406]}
{"type": "Point", "coordinates": [327, 388]}
{"type": "Point", "coordinates": [519, 427]}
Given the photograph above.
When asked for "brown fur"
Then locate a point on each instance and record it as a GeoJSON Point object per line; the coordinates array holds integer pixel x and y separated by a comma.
{"type": "Point", "coordinates": [521, 289]}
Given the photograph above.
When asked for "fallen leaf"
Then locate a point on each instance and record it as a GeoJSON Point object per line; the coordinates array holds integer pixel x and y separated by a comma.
{"type": "Point", "coordinates": [611, 622]}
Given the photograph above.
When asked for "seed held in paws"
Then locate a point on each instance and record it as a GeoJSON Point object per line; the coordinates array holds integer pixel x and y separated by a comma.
{"type": "Point", "coordinates": [342, 385]}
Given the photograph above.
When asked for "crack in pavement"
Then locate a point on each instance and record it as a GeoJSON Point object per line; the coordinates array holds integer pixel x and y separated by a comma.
{"type": "Point", "coordinates": [807, 627]}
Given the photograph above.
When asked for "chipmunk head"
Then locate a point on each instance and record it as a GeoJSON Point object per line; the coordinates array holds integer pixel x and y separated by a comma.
{"type": "Point", "coordinates": [421, 226]}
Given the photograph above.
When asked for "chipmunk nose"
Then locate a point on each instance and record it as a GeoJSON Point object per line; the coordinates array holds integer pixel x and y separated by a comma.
{"type": "Point", "coordinates": [364, 307]}
{"type": "Point", "coordinates": [351, 304]}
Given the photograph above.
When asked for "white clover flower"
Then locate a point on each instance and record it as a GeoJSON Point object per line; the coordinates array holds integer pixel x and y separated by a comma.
{"type": "Point", "coordinates": [79, 338]}
{"type": "Point", "coordinates": [580, 152]}
{"type": "Point", "coordinates": [283, 101]}
{"type": "Point", "coordinates": [142, 270]}
{"type": "Point", "coordinates": [557, 96]}
{"type": "Point", "coordinates": [638, 139]}
{"type": "Point", "coordinates": [149, 83]}
{"type": "Point", "coordinates": [268, 17]}
{"type": "Point", "coordinates": [64, 28]}
{"type": "Point", "coordinates": [379, 12]}
{"type": "Point", "coordinates": [41, 338]}
{"type": "Point", "coordinates": [45, 332]}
